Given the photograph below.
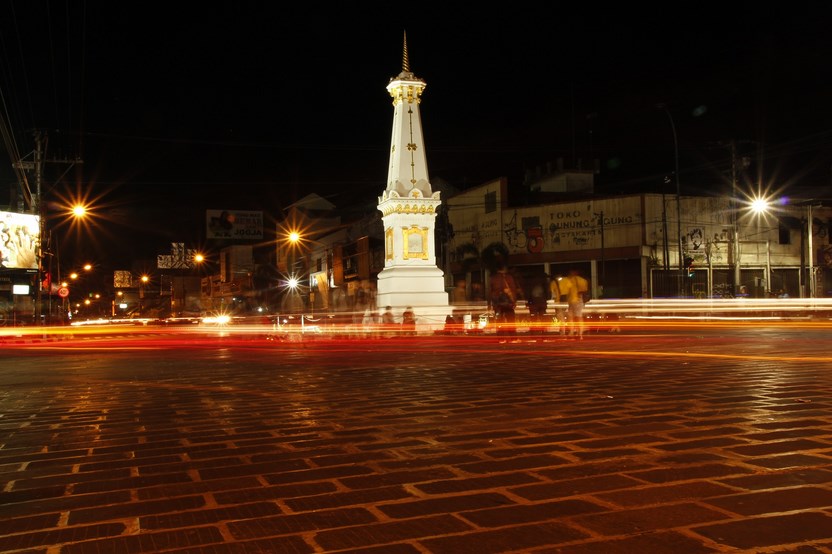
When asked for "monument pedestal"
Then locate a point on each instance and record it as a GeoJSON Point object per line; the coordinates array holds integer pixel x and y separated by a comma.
{"type": "Point", "coordinates": [420, 287]}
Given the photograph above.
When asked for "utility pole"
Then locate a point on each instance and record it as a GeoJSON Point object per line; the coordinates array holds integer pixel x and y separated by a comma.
{"type": "Point", "coordinates": [37, 167]}
{"type": "Point", "coordinates": [809, 233]}
{"type": "Point", "coordinates": [600, 216]}
{"type": "Point", "coordinates": [735, 210]}
{"type": "Point", "coordinates": [36, 205]}
{"type": "Point", "coordinates": [678, 197]}
{"type": "Point", "coordinates": [665, 245]}
{"type": "Point", "coordinates": [738, 163]}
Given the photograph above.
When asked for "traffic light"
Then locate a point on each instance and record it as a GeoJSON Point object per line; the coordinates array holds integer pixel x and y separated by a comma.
{"type": "Point", "coordinates": [689, 267]}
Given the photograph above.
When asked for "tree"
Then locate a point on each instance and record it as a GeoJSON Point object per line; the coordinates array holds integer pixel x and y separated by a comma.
{"type": "Point", "coordinates": [495, 256]}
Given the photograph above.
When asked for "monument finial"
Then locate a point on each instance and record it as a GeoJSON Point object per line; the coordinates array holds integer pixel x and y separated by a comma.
{"type": "Point", "coordinates": [405, 61]}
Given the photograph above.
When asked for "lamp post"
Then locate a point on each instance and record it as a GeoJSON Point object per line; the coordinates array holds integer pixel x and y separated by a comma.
{"type": "Point", "coordinates": [294, 266]}
{"type": "Point", "coordinates": [38, 207]}
{"type": "Point", "coordinates": [602, 280]}
{"type": "Point", "coordinates": [736, 249]}
{"type": "Point", "coordinates": [807, 288]}
{"type": "Point", "coordinates": [117, 299]}
{"type": "Point", "coordinates": [74, 284]}
{"type": "Point", "coordinates": [143, 281]}
{"type": "Point", "coordinates": [196, 266]}
{"type": "Point", "coordinates": [756, 207]}
{"type": "Point", "coordinates": [663, 107]}
{"type": "Point", "coordinates": [76, 214]}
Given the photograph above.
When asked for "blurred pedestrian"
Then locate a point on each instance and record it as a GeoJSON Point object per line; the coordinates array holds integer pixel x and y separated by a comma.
{"type": "Point", "coordinates": [559, 301]}
{"type": "Point", "coordinates": [459, 292]}
{"type": "Point", "coordinates": [504, 295]}
{"type": "Point", "coordinates": [453, 325]}
{"type": "Point", "coordinates": [359, 312]}
{"type": "Point", "coordinates": [537, 294]}
{"type": "Point", "coordinates": [409, 321]}
{"type": "Point", "coordinates": [575, 287]}
{"type": "Point", "coordinates": [387, 321]}
{"type": "Point", "coordinates": [371, 322]}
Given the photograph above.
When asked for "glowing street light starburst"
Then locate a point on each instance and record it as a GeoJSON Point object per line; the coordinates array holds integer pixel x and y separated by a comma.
{"type": "Point", "coordinates": [759, 205]}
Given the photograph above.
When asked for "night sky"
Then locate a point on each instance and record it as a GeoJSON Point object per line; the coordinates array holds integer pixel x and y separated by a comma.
{"type": "Point", "coordinates": [175, 108]}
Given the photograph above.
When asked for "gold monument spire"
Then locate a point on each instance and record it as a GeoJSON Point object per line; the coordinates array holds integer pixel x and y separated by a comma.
{"type": "Point", "coordinates": [405, 61]}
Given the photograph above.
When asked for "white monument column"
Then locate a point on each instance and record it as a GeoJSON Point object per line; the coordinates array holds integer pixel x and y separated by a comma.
{"type": "Point", "coordinates": [410, 276]}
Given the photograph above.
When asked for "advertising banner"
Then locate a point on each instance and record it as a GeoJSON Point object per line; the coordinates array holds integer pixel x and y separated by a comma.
{"type": "Point", "coordinates": [19, 237]}
{"type": "Point", "coordinates": [179, 257]}
{"type": "Point", "coordinates": [122, 279]}
{"type": "Point", "coordinates": [234, 224]}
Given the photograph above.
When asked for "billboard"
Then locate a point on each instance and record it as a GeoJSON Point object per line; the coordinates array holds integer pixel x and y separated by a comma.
{"type": "Point", "coordinates": [179, 257]}
{"type": "Point", "coordinates": [122, 279]}
{"type": "Point", "coordinates": [234, 224]}
{"type": "Point", "coordinates": [19, 238]}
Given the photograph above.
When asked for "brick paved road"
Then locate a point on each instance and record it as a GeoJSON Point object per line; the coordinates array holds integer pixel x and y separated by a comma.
{"type": "Point", "coordinates": [701, 441]}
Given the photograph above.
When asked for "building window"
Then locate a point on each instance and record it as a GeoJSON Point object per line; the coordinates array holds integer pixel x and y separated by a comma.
{"type": "Point", "coordinates": [490, 202]}
{"type": "Point", "coordinates": [785, 237]}
{"type": "Point", "coordinates": [532, 222]}
{"type": "Point", "coordinates": [319, 264]}
{"type": "Point", "coordinates": [350, 263]}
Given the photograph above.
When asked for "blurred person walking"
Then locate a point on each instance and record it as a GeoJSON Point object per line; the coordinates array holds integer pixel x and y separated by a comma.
{"type": "Point", "coordinates": [575, 287]}
{"type": "Point", "coordinates": [504, 295]}
{"type": "Point", "coordinates": [388, 321]}
{"type": "Point", "coordinates": [558, 298]}
{"type": "Point", "coordinates": [537, 293]}
{"type": "Point", "coordinates": [409, 321]}
{"type": "Point", "coordinates": [503, 291]}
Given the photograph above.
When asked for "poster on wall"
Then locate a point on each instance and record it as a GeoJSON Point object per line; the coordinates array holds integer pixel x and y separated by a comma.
{"type": "Point", "coordinates": [825, 256]}
{"type": "Point", "coordinates": [179, 257]}
{"type": "Point", "coordinates": [234, 224]}
{"type": "Point", "coordinates": [19, 236]}
{"type": "Point", "coordinates": [122, 279]}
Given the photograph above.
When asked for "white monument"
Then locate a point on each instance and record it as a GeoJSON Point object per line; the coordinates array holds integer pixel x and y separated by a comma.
{"type": "Point", "coordinates": [410, 276]}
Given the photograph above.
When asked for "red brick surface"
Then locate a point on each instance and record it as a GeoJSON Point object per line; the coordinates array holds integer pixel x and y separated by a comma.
{"type": "Point", "coordinates": [616, 444]}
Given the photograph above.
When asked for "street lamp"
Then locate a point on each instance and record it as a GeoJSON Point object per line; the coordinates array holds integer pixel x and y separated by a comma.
{"type": "Point", "coordinates": [663, 107]}
{"type": "Point", "coordinates": [74, 275]}
{"type": "Point", "coordinates": [809, 233]}
{"type": "Point", "coordinates": [75, 214]}
{"type": "Point", "coordinates": [144, 279]}
{"type": "Point", "coordinates": [295, 252]}
{"type": "Point", "coordinates": [806, 278]}
{"type": "Point", "coordinates": [118, 301]}
{"type": "Point", "coordinates": [602, 280]}
{"type": "Point", "coordinates": [757, 206]}
{"type": "Point", "coordinates": [193, 273]}
{"type": "Point", "coordinates": [809, 230]}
